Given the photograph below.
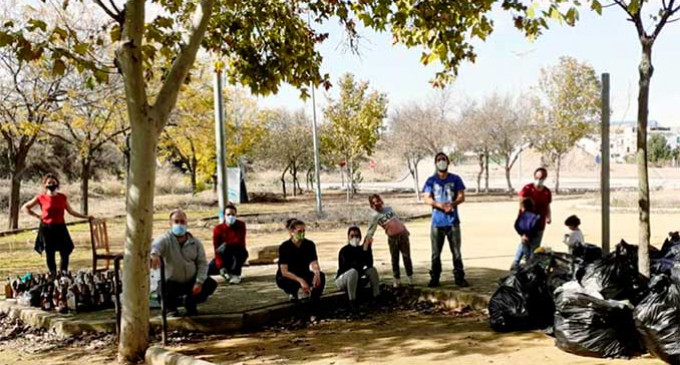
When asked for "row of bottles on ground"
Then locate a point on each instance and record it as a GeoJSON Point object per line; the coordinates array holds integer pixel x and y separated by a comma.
{"type": "Point", "coordinates": [64, 292]}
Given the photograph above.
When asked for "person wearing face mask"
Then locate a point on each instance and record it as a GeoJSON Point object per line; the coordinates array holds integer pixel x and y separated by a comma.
{"type": "Point", "coordinates": [229, 242]}
{"type": "Point", "coordinates": [186, 268]}
{"type": "Point", "coordinates": [542, 197]}
{"type": "Point", "coordinates": [444, 192]}
{"type": "Point", "coordinates": [53, 235]}
{"type": "Point", "coordinates": [299, 264]}
{"type": "Point", "coordinates": [355, 267]}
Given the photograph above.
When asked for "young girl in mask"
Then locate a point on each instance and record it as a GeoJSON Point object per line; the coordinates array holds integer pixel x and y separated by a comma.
{"type": "Point", "coordinates": [355, 267]}
{"type": "Point", "coordinates": [53, 235]}
{"type": "Point", "coordinates": [299, 264]}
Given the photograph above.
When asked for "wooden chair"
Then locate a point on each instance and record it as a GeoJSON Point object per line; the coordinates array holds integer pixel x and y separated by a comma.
{"type": "Point", "coordinates": [99, 238]}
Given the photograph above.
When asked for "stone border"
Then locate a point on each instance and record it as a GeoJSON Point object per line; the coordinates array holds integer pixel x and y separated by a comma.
{"type": "Point", "coordinates": [248, 320]}
{"type": "Point", "coordinates": [160, 356]}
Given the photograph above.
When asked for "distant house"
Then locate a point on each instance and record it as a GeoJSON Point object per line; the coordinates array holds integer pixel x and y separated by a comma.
{"type": "Point", "coordinates": [623, 137]}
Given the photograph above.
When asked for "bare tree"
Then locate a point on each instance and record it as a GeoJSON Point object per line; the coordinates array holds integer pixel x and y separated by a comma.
{"type": "Point", "coordinates": [420, 130]}
{"type": "Point", "coordinates": [505, 121]}
{"type": "Point", "coordinates": [29, 93]}
{"type": "Point", "coordinates": [471, 136]}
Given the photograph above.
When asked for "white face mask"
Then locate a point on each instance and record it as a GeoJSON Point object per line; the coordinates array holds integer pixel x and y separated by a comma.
{"type": "Point", "coordinates": [442, 165]}
{"type": "Point", "coordinates": [539, 182]}
{"type": "Point", "coordinates": [355, 242]}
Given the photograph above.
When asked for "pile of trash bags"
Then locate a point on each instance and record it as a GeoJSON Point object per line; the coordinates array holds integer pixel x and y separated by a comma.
{"type": "Point", "coordinates": [598, 306]}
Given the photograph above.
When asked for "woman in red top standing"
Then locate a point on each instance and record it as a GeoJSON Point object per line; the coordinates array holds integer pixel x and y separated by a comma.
{"type": "Point", "coordinates": [229, 242]}
{"type": "Point", "coordinates": [52, 235]}
{"type": "Point", "coordinates": [541, 197]}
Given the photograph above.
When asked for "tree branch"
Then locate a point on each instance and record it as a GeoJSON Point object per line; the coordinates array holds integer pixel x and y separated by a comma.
{"type": "Point", "coordinates": [167, 96]}
{"type": "Point", "coordinates": [117, 16]}
{"type": "Point", "coordinates": [668, 12]}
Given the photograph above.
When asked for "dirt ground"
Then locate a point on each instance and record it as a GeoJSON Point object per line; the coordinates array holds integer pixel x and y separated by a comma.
{"type": "Point", "coordinates": [401, 338]}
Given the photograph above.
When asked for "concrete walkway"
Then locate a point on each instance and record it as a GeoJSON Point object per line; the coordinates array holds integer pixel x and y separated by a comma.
{"type": "Point", "coordinates": [252, 304]}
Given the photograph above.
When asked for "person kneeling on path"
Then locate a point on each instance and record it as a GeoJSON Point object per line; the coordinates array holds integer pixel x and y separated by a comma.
{"type": "Point", "coordinates": [355, 267]}
{"type": "Point", "coordinates": [299, 264]}
{"type": "Point", "coordinates": [229, 242]}
{"type": "Point", "coordinates": [397, 237]}
{"type": "Point", "coordinates": [186, 268]}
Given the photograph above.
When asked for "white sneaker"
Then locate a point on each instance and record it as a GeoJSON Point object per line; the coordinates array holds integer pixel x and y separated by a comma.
{"type": "Point", "coordinates": [396, 283]}
{"type": "Point", "coordinates": [225, 274]}
{"type": "Point", "coordinates": [236, 279]}
{"type": "Point", "coordinates": [409, 280]}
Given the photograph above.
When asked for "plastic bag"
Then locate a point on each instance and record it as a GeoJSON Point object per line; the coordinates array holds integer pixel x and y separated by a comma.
{"type": "Point", "coordinates": [522, 302]}
{"type": "Point", "coordinates": [616, 275]}
{"type": "Point", "coordinates": [589, 326]}
{"type": "Point", "coordinates": [588, 253]}
{"type": "Point", "coordinates": [657, 319]}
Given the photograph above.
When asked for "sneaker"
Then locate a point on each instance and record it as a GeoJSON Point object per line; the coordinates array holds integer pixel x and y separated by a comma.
{"type": "Point", "coordinates": [174, 313]}
{"type": "Point", "coordinates": [396, 283]}
{"type": "Point", "coordinates": [462, 283]}
{"type": "Point", "coordinates": [225, 274]}
{"type": "Point", "coordinates": [409, 280]}
{"type": "Point", "coordinates": [236, 279]}
{"type": "Point", "coordinates": [433, 283]}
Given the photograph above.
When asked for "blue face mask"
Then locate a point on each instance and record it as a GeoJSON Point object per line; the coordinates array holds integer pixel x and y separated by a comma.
{"type": "Point", "coordinates": [179, 230]}
{"type": "Point", "coordinates": [230, 219]}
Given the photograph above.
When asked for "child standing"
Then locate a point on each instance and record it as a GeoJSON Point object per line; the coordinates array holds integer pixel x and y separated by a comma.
{"type": "Point", "coordinates": [573, 237]}
{"type": "Point", "coordinates": [527, 227]}
{"type": "Point", "coordinates": [397, 236]}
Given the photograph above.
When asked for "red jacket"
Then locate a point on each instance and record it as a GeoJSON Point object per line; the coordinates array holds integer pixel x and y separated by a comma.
{"type": "Point", "coordinates": [234, 235]}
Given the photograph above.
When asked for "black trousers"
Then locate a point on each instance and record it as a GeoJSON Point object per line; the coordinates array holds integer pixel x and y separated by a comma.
{"type": "Point", "coordinates": [175, 291]}
{"type": "Point", "coordinates": [233, 259]}
{"type": "Point", "coordinates": [292, 287]}
{"type": "Point", "coordinates": [53, 238]}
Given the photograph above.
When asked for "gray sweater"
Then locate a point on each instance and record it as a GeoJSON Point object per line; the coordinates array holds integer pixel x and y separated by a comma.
{"type": "Point", "coordinates": [183, 263]}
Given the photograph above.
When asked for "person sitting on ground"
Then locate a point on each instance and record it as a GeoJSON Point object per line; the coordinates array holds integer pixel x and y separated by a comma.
{"type": "Point", "coordinates": [229, 242]}
{"type": "Point", "coordinates": [573, 237]}
{"type": "Point", "coordinates": [355, 267]}
{"type": "Point", "coordinates": [527, 226]}
{"type": "Point", "coordinates": [397, 236]}
{"type": "Point", "coordinates": [186, 268]}
{"type": "Point", "coordinates": [299, 264]}
{"type": "Point", "coordinates": [53, 235]}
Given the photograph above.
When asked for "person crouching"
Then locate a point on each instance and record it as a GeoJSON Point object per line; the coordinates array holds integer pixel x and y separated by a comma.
{"type": "Point", "coordinates": [355, 267]}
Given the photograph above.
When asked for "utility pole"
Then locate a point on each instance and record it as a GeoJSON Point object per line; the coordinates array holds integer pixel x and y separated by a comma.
{"type": "Point", "coordinates": [604, 151]}
{"type": "Point", "coordinates": [222, 190]}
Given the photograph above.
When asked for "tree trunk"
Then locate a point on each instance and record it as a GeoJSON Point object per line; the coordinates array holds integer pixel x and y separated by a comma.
{"type": "Point", "coordinates": [350, 179]}
{"type": "Point", "coordinates": [646, 71]}
{"type": "Point", "coordinates": [486, 172]}
{"type": "Point", "coordinates": [557, 173]}
{"type": "Point", "coordinates": [85, 185]}
{"type": "Point", "coordinates": [134, 338]}
{"type": "Point", "coordinates": [14, 200]}
{"type": "Point", "coordinates": [293, 173]}
{"type": "Point", "coordinates": [507, 175]}
{"type": "Point", "coordinates": [283, 181]}
{"type": "Point", "coordinates": [481, 171]}
{"type": "Point", "coordinates": [413, 170]}
{"type": "Point", "coordinates": [194, 186]}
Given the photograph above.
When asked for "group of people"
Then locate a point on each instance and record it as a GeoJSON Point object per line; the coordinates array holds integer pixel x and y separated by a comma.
{"type": "Point", "coordinates": [188, 274]}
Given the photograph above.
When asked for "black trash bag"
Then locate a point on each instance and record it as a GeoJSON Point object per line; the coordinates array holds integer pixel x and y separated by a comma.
{"type": "Point", "coordinates": [662, 266]}
{"type": "Point", "coordinates": [556, 265]}
{"type": "Point", "coordinates": [673, 240]}
{"type": "Point", "coordinates": [522, 302]}
{"type": "Point", "coordinates": [657, 319]}
{"type": "Point", "coordinates": [616, 275]}
{"type": "Point", "coordinates": [588, 253]}
{"type": "Point", "coordinates": [588, 326]}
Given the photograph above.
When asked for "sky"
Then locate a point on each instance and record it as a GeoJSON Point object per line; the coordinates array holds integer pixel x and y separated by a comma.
{"type": "Point", "coordinates": [509, 63]}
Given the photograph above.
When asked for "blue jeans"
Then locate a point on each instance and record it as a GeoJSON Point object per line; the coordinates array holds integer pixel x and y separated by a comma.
{"type": "Point", "coordinates": [527, 251]}
{"type": "Point", "coordinates": [437, 237]}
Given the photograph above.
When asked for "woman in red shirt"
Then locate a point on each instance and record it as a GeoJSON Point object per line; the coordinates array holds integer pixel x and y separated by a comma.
{"type": "Point", "coordinates": [52, 235]}
{"type": "Point", "coordinates": [229, 242]}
